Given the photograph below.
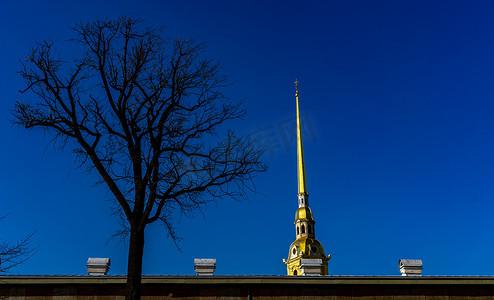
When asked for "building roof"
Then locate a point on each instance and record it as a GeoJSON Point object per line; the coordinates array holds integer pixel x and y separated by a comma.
{"type": "Point", "coordinates": [249, 279]}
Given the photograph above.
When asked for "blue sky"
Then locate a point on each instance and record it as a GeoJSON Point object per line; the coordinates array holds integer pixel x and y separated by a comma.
{"type": "Point", "coordinates": [397, 99]}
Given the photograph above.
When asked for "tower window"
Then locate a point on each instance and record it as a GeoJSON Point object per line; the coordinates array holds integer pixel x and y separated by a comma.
{"type": "Point", "coordinates": [303, 228]}
{"type": "Point", "coordinates": [298, 231]}
{"type": "Point", "coordinates": [309, 229]}
{"type": "Point", "coordinates": [295, 272]}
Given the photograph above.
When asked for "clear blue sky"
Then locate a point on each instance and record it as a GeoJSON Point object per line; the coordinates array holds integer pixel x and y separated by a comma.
{"type": "Point", "coordinates": [399, 96]}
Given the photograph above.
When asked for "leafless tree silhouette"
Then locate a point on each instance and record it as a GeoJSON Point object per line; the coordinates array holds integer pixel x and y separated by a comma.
{"type": "Point", "coordinates": [146, 114]}
{"type": "Point", "coordinates": [15, 253]}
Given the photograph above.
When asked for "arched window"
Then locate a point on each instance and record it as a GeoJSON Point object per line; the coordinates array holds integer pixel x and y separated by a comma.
{"type": "Point", "coordinates": [309, 229]}
{"type": "Point", "coordinates": [303, 228]}
{"type": "Point", "coordinates": [295, 272]}
{"type": "Point", "coordinates": [298, 230]}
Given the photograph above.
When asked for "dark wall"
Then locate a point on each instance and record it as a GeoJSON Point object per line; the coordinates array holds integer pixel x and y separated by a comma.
{"type": "Point", "coordinates": [259, 291]}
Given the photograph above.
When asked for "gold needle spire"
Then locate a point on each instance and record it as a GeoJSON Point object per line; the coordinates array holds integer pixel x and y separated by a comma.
{"type": "Point", "coordinates": [302, 187]}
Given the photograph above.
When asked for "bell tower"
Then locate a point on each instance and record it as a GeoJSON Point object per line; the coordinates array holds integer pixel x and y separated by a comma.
{"type": "Point", "coordinates": [305, 246]}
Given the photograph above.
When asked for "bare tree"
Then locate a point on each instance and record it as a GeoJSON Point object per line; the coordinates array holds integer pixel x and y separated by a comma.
{"type": "Point", "coordinates": [145, 114]}
{"type": "Point", "coordinates": [15, 253]}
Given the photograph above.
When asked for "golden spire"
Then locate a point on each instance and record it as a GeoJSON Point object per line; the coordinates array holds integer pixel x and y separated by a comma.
{"type": "Point", "coordinates": [305, 245]}
{"type": "Point", "coordinates": [302, 186]}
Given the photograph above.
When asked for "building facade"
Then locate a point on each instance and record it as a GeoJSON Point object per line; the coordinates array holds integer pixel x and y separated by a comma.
{"type": "Point", "coordinates": [249, 287]}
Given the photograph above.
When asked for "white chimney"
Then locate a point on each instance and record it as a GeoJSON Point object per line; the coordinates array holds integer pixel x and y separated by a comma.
{"type": "Point", "coordinates": [205, 266]}
{"type": "Point", "coordinates": [410, 267]}
{"type": "Point", "coordinates": [98, 266]}
{"type": "Point", "coordinates": [311, 267]}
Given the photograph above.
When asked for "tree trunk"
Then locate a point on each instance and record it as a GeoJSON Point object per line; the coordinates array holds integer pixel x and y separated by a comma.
{"type": "Point", "coordinates": [134, 268]}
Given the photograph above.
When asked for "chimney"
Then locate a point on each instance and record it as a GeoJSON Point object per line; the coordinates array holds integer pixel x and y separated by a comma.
{"type": "Point", "coordinates": [204, 266]}
{"type": "Point", "coordinates": [410, 267]}
{"type": "Point", "coordinates": [311, 267]}
{"type": "Point", "coordinates": [98, 266]}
